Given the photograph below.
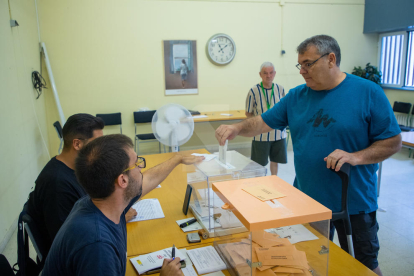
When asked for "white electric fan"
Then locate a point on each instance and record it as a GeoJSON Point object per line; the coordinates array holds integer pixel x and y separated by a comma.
{"type": "Point", "coordinates": [172, 125]}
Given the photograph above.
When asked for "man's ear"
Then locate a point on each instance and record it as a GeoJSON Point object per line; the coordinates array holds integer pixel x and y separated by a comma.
{"type": "Point", "coordinates": [77, 144]}
{"type": "Point", "coordinates": [122, 181]}
{"type": "Point", "coordinates": [332, 60]}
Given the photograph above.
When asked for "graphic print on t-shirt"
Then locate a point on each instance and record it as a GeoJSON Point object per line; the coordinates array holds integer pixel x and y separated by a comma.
{"type": "Point", "coordinates": [321, 122]}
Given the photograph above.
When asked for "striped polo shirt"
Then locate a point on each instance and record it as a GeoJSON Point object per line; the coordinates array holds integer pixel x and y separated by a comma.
{"type": "Point", "coordinates": [256, 104]}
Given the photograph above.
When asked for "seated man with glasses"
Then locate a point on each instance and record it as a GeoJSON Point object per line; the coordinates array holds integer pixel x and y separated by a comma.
{"type": "Point", "coordinates": [57, 188]}
{"type": "Point", "coordinates": [92, 241]}
{"type": "Point", "coordinates": [335, 118]}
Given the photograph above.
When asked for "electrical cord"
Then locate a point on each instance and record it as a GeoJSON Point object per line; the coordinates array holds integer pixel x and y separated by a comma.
{"type": "Point", "coordinates": [38, 83]}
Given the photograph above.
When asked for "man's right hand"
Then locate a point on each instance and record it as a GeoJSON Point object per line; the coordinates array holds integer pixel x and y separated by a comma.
{"type": "Point", "coordinates": [226, 132]}
{"type": "Point", "coordinates": [171, 267]}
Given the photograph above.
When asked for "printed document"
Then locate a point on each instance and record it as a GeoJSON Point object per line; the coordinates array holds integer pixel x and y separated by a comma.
{"type": "Point", "coordinates": [148, 209]}
{"type": "Point", "coordinates": [154, 260]}
{"type": "Point", "coordinates": [206, 260]}
{"type": "Point", "coordinates": [188, 270]}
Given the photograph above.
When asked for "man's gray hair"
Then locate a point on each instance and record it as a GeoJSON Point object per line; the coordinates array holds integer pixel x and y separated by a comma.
{"type": "Point", "coordinates": [324, 44]}
{"type": "Point", "coordinates": [267, 64]}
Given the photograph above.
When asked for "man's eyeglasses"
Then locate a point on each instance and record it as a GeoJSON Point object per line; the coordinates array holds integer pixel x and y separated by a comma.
{"type": "Point", "coordinates": [306, 66]}
{"type": "Point", "coordinates": [140, 164]}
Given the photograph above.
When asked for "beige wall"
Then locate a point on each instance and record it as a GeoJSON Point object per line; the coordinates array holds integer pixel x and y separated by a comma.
{"type": "Point", "coordinates": [22, 117]}
{"type": "Point", "coordinates": [108, 57]}
{"type": "Point", "coordinates": [395, 95]}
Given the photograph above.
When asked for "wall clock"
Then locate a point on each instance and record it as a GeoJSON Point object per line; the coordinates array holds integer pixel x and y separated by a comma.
{"type": "Point", "coordinates": [221, 49]}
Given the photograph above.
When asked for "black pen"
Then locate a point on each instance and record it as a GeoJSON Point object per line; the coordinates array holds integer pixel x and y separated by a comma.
{"type": "Point", "coordinates": [173, 252]}
{"type": "Point", "coordinates": [185, 224]}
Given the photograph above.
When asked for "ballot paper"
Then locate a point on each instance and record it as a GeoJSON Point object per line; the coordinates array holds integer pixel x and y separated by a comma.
{"type": "Point", "coordinates": [192, 227]}
{"type": "Point", "coordinates": [223, 152]}
{"type": "Point", "coordinates": [188, 270]}
{"type": "Point", "coordinates": [263, 192]}
{"type": "Point", "coordinates": [148, 209]}
{"type": "Point", "coordinates": [283, 256]}
{"type": "Point", "coordinates": [154, 260]}
{"type": "Point", "coordinates": [200, 116]}
{"type": "Point", "coordinates": [206, 260]}
{"type": "Point", "coordinates": [207, 157]}
{"type": "Point", "coordinates": [266, 239]}
{"type": "Point", "coordinates": [294, 233]}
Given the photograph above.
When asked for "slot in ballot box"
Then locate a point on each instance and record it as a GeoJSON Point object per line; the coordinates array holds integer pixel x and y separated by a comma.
{"type": "Point", "coordinates": [287, 231]}
{"type": "Point", "coordinates": [201, 201]}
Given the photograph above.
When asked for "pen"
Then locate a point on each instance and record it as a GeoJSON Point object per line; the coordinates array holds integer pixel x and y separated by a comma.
{"type": "Point", "coordinates": [173, 252]}
{"type": "Point", "coordinates": [185, 224]}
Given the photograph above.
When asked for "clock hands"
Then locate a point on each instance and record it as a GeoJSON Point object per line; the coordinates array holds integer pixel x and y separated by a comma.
{"type": "Point", "coordinates": [221, 49]}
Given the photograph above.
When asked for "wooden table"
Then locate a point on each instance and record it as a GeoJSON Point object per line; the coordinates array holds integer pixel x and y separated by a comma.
{"type": "Point", "coordinates": [408, 139]}
{"type": "Point", "coordinates": [153, 235]}
{"type": "Point", "coordinates": [216, 116]}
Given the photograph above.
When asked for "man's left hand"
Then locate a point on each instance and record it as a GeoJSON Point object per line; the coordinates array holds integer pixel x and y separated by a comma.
{"type": "Point", "coordinates": [131, 214]}
{"type": "Point", "coordinates": [337, 158]}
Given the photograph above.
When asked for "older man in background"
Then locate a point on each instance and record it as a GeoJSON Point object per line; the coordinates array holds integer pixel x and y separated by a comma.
{"type": "Point", "coordinates": [262, 97]}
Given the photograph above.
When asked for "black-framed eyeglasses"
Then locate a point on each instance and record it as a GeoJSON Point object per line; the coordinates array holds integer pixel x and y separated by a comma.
{"type": "Point", "coordinates": [307, 65]}
{"type": "Point", "coordinates": [140, 164]}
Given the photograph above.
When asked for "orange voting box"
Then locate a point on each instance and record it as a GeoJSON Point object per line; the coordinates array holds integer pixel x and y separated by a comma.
{"type": "Point", "coordinates": [286, 231]}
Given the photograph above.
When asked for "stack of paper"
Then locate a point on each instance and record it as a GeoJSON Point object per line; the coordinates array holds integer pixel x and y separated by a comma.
{"type": "Point", "coordinates": [206, 260]}
{"type": "Point", "coordinates": [144, 263]}
{"type": "Point", "coordinates": [148, 209]}
{"type": "Point", "coordinates": [277, 255]}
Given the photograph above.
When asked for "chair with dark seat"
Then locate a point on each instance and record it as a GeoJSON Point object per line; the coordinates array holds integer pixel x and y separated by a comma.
{"type": "Point", "coordinates": [27, 228]}
{"type": "Point", "coordinates": [112, 119]}
{"type": "Point", "coordinates": [402, 111]}
{"type": "Point", "coordinates": [343, 215]}
{"type": "Point", "coordinates": [58, 129]}
{"type": "Point", "coordinates": [141, 117]}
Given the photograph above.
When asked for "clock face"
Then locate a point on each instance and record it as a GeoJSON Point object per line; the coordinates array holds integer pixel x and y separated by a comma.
{"type": "Point", "coordinates": [221, 49]}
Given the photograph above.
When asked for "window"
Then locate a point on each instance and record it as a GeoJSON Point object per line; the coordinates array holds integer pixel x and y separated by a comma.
{"type": "Point", "coordinates": [396, 59]}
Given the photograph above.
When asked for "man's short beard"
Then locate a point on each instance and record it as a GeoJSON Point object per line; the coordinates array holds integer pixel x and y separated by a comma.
{"type": "Point", "coordinates": [131, 190]}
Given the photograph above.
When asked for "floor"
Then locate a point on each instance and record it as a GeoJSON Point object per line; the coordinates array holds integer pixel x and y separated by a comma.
{"type": "Point", "coordinates": [396, 232]}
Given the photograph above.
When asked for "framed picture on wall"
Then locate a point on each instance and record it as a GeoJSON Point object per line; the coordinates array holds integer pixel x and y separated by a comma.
{"type": "Point", "coordinates": [180, 67]}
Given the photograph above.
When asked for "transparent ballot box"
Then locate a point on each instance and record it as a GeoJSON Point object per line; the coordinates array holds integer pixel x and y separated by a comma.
{"type": "Point", "coordinates": [287, 232]}
{"type": "Point", "coordinates": [201, 204]}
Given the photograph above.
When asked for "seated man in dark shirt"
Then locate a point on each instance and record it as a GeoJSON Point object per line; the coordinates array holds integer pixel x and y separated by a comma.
{"type": "Point", "coordinates": [92, 241]}
{"type": "Point", "coordinates": [57, 188]}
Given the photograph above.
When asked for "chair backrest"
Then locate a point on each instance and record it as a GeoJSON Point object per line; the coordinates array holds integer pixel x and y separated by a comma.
{"type": "Point", "coordinates": [111, 119]}
{"type": "Point", "coordinates": [27, 228]}
{"type": "Point", "coordinates": [143, 116]}
{"type": "Point", "coordinates": [58, 129]}
{"type": "Point", "coordinates": [402, 107]}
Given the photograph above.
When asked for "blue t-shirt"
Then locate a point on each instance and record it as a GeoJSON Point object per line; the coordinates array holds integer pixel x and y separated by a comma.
{"type": "Point", "coordinates": [88, 243]}
{"type": "Point", "coordinates": [350, 117]}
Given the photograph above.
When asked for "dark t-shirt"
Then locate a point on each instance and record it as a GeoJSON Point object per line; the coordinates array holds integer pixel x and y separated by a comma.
{"type": "Point", "coordinates": [89, 243]}
{"type": "Point", "coordinates": [55, 193]}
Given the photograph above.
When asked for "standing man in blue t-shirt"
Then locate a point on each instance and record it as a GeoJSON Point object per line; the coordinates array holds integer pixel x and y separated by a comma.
{"type": "Point", "coordinates": [335, 118]}
{"type": "Point", "coordinates": [92, 241]}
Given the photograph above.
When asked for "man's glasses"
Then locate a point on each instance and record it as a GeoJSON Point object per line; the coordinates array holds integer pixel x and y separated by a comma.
{"type": "Point", "coordinates": [140, 164]}
{"type": "Point", "coordinates": [306, 66]}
